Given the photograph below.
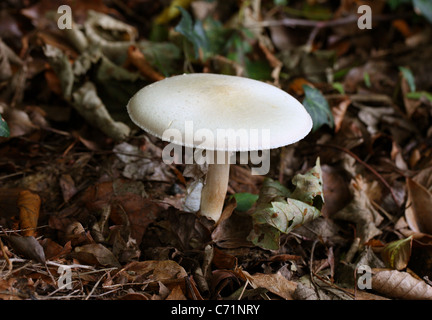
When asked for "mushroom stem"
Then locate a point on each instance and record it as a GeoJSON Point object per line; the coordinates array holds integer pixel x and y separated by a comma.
{"type": "Point", "coordinates": [214, 191]}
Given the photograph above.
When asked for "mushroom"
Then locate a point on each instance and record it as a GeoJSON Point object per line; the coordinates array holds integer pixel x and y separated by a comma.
{"type": "Point", "coordinates": [220, 114]}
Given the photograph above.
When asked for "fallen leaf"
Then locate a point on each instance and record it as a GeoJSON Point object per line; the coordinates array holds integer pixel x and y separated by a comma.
{"type": "Point", "coordinates": [400, 285]}
{"type": "Point", "coordinates": [29, 205]}
{"type": "Point", "coordinates": [89, 105]}
{"type": "Point", "coordinates": [153, 271]}
{"type": "Point", "coordinates": [124, 197]}
{"type": "Point", "coordinates": [318, 107]}
{"type": "Point", "coordinates": [245, 200]}
{"type": "Point", "coordinates": [28, 247]}
{"type": "Point", "coordinates": [417, 210]}
{"type": "Point", "coordinates": [67, 185]}
{"type": "Point", "coordinates": [279, 210]}
{"type": "Point", "coordinates": [53, 250]}
{"type": "Point", "coordinates": [275, 283]}
{"type": "Point", "coordinates": [335, 189]}
{"type": "Point", "coordinates": [232, 232]}
{"type": "Point", "coordinates": [361, 211]}
{"type": "Point", "coordinates": [339, 112]}
{"type": "Point", "coordinates": [296, 86]}
{"type": "Point", "coordinates": [95, 254]}
{"type": "Point", "coordinates": [192, 198]}
{"type": "Point", "coordinates": [396, 254]}
{"type": "Point", "coordinates": [19, 122]}
{"type": "Point", "coordinates": [223, 260]}
{"type": "Point", "coordinates": [137, 58]}
{"type": "Point", "coordinates": [176, 294]}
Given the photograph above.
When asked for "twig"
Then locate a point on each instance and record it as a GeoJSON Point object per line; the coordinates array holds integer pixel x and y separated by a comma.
{"type": "Point", "coordinates": [293, 22]}
{"type": "Point", "coordinates": [318, 25]}
{"type": "Point", "coordinates": [94, 287]}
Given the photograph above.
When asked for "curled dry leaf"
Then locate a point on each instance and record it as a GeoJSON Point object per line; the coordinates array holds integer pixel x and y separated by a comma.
{"type": "Point", "coordinates": [400, 285]}
{"type": "Point", "coordinates": [275, 283]}
{"type": "Point", "coordinates": [339, 112]}
{"type": "Point", "coordinates": [361, 211]}
{"type": "Point", "coordinates": [121, 34]}
{"type": "Point", "coordinates": [87, 102]}
{"type": "Point", "coordinates": [29, 205]}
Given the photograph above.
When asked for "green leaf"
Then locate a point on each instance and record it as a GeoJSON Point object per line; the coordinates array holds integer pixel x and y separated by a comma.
{"type": "Point", "coordinates": [318, 108]}
{"type": "Point", "coordinates": [339, 87]}
{"type": "Point", "coordinates": [409, 77]}
{"type": "Point", "coordinates": [424, 7]}
{"type": "Point", "coordinates": [367, 80]}
{"type": "Point", "coordinates": [419, 95]}
{"type": "Point", "coordinates": [279, 210]}
{"type": "Point", "coordinates": [280, 2]}
{"type": "Point", "coordinates": [4, 128]}
{"type": "Point", "coordinates": [396, 254]}
{"type": "Point", "coordinates": [195, 33]}
{"type": "Point", "coordinates": [245, 200]}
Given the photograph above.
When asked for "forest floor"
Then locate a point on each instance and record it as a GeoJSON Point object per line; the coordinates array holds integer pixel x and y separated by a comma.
{"type": "Point", "coordinates": [88, 209]}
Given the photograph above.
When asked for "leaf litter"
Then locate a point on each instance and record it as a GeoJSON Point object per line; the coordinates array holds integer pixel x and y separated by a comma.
{"type": "Point", "coordinates": [82, 188]}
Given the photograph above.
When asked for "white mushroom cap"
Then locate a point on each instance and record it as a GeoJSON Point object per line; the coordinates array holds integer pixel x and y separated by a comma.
{"type": "Point", "coordinates": [212, 102]}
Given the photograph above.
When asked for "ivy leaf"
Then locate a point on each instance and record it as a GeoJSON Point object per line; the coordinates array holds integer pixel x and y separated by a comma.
{"type": "Point", "coordinates": [318, 108]}
{"type": "Point", "coordinates": [245, 200]}
{"type": "Point", "coordinates": [280, 211]}
{"type": "Point", "coordinates": [423, 7]}
{"type": "Point", "coordinates": [194, 32]}
{"type": "Point", "coordinates": [4, 128]}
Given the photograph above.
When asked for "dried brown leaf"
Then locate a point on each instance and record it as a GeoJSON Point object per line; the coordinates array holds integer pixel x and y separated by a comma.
{"type": "Point", "coordinates": [154, 271]}
{"type": "Point", "coordinates": [176, 294]}
{"type": "Point", "coordinates": [400, 285]}
{"type": "Point", "coordinates": [361, 211]}
{"type": "Point", "coordinates": [275, 283]}
{"type": "Point", "coordinates": [67, 185]}
{"type": "Point", "coordinates": [335, 188]}
{"type": "Point", "coordinates": [137, 58]}
{"type": "Point", "coordinates": [28, 247]}
{"type": "Point", "coordinates": [417, 212]}
{"type": "Point", "coordinates": [53, 250]}
{"type": "Point", "coordinates": [339, 112]}
{"type": "Point", "coordinates": [223, 260]}
{"type": "Point", "coordinates": [95, 254]}
{"type": "Point", "coordinates": [29, 205]}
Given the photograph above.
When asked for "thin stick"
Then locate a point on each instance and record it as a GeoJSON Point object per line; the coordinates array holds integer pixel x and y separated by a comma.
{"type": "Point", "coordinates": [293, 22]}
{"type": "Point", "coordinates": [94, 287]}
